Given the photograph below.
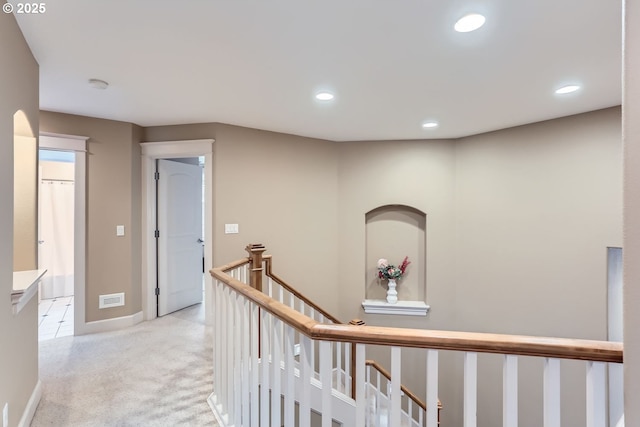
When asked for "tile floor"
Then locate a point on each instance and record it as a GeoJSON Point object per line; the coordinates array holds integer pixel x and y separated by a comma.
{"type": "Point", "coordinates": [56, 318]}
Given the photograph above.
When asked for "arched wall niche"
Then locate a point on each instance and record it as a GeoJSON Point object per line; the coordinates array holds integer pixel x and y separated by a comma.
{"type": "Point", "coordinates": [393, 232]}
{"type": "Point", "coordinates": [25, 194]}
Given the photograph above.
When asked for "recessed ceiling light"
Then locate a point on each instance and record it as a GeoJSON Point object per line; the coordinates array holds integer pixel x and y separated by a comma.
{"type": "Point", "coordinates": [324, 96]}
{"type": "Point", "coordinates": [430, 125]}
{"type": "Point", "coordinates": [469, 22]}
{"type": "Point", "coordinates": [98, 84]}
{"type": "Point", "coordinates": [567, 89]}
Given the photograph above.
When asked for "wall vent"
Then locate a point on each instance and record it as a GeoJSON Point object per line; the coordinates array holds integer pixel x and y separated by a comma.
{"type": "Point", "coordinates": [111, 300]}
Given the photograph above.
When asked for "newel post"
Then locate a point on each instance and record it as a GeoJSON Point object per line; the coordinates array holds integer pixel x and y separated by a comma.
{"type": "Point", "coordinates": [354, 322]}
{"type": "Point", "coordinates": [255, 260]}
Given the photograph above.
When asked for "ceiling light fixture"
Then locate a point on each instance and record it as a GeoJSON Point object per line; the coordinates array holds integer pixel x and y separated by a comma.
{"type": "Point", "coordinates": [324, 96]}
{"type": "Point", "coordinates": [567, 89]}
{"type": "Point", "coordinates": [98, 84]}
{"type": "Point", "coordinates": [430, 125]}
{"type": "Point", "coordinates": [469, 22]}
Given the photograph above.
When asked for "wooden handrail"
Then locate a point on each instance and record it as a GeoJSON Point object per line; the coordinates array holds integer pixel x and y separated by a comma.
{"type": "Point", "coordinates": [405, 390]}
{"type": "Point", "coordinates": [295, 292]}
{"type": "Point", "coordinates": [562, 348]}
{"type": "Point", "coordinates": [268, 271]}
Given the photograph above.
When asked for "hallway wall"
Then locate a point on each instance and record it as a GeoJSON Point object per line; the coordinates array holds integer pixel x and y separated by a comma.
{"type": "Point", "coordinates": [18, 333]}
{"type": "Point", "coordinates": [113, 198]}
{"type": "Point", "coordinates": [281, 191]}
{"type": "Point", "coordinates": [518, 222]}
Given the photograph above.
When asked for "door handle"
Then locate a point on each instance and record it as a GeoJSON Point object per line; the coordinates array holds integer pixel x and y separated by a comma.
{"type": "Point", "coordinates": [200, 241]}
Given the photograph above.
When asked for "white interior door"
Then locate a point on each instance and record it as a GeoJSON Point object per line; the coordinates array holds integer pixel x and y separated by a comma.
{"type": "Point", "coordinates": [179, 235]}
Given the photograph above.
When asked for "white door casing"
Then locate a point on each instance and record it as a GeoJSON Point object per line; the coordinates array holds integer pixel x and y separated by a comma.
{"type": "Point", "coordinates": [180, 235]}
{"type": "Point", "coordinates": [167, 150]}
{"type": "Point", "coordinates": [77, 144]}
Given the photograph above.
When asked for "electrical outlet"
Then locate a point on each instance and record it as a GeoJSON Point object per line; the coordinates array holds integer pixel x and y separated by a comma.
{"type": "Point", "coordinates": [5, 415]}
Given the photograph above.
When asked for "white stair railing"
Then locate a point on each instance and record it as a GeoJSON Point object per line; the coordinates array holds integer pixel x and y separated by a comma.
{"type": "Point", "coordinates": [259, 378]}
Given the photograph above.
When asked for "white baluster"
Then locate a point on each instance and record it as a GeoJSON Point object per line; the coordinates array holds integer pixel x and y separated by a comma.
{"type": "Point", "coordinates": [237, 358]}
{"type": "Point", "coordinates": [470, 389]}
{"type": "Point", "coordinates": [306, 371]}
{"type": "Point", "coordinates": [255, 354]}
{"type": "Point", "coordinates": [224, 390]}
{"type": "Point", "coordinates": [289, 387]}
{"type": "Point", "coordinates": [432, 388]}
{"type": "Point", "coordinates": [596, 400]}
{"type": "Point", "coordinates": [347, 370]}
{"type": "Point", "coordinates": [265, 354]}
{"type": "Point", "coordinates": [510, 391]}
{"type": "Point", "coordinates": [378, 412]}
{"type": "Point", "coordinates": [276, 376]}
{"type": "Point", "coordinates": [230, 362]}
{"type": "Point", "coordinates": [396, 363]}
{"type": "Point", "coordinates": [369, 395]}
{"type": "Point", "coordinates": [246, 360]}
{"type": "Point", "coordinates": [280, 293]}
{"type": "Point", "coordinates": [325, 378]}
{"type": "Point", "coordinates": [551, 392]}
{"type": "Point", "coordinates": [270, 287]}
{"type": "Point", "coordinates": [339, 372]}
{"type": "Point", "coordinates": [360, 397]}
{"type": "Point", "coordinates": [217, 344]}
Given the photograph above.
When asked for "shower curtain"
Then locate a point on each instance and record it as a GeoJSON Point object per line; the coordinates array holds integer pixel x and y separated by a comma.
{"type": "Point", "coordinates": [56, 238]}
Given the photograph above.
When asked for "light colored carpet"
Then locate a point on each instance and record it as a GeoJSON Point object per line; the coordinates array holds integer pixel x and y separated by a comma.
{"type": "Point", "coordinates": [157, 373]}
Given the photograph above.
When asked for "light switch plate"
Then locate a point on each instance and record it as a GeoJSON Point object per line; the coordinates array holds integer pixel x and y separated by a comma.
{"type": "Point", "coordinates": [231, 229]}
{"type": "Point", "coordinates": [119, 230]}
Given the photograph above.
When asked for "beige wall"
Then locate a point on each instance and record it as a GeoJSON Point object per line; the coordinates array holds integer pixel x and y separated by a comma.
{"type": "Point", "coordinates": [631, 131]}
{"type": "Point", "coordinates": [536, 208]}
{"type": "Point", "coordinates": [18, 333]}
{"type": "Point", "coordinates": [25, 201]}
{"type": "Point", "coordinates": [113, 198]}
{"type": "Point", "coordinates": [518, 222]}
{"type": "Point", "coordinates": [281, 190]}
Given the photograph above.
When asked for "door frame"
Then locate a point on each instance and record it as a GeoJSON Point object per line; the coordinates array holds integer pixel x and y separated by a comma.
{"type": "Point", "coordinates": [78, 145]}
{"type": "Point", "coordinates": [151, 151]}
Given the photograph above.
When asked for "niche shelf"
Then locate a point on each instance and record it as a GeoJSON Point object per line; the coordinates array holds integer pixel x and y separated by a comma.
{"type": "Point", "coordinates": [393, 232]}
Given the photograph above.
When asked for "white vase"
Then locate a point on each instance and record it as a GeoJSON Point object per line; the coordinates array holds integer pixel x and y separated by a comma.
{"type": "Point", "coordinates": [392, 294]}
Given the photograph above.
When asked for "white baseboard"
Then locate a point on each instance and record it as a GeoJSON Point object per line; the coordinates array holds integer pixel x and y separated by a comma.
{"type": "Point", "coordinates": [32, 405]}
{"type": "Point", "coordinates": [220, 419]}
{"type": "Point", "coordinates": [109, 324]}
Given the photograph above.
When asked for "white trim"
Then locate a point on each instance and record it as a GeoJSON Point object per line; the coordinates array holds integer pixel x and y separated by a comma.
{"type": "Point", "coordinates": [176, 149]}
{"type": "Point", "coordinates": [163, 150]}
{"type": "Point", "coordinates": [77, 144]}
{"type": "Point", "coordinates": [51, 141]}
{"type": "Point", "coordinates": [32, 405]}
{"type": "Point", "coordinates": [25, 287]}
{"type": "Point", "coordinates": [405, 308]}
{"type": "Point", "coordinates": [114, 324]}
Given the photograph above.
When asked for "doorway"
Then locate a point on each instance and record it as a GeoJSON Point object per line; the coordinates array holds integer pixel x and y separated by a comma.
{"type": "Point", "coordinates": [56, 201]}
{"type": "Point", "coordinates": [71, 281]}
{"type": "Point", "coordinates": [152, 151]}
{"type": "Point", "coordinates": [179, 233]}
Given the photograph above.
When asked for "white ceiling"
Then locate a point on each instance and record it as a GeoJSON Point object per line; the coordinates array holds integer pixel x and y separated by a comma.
{"type": "Point", "coordinates": [391, 64]}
